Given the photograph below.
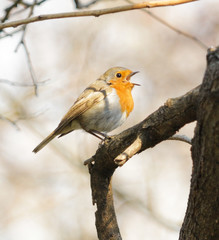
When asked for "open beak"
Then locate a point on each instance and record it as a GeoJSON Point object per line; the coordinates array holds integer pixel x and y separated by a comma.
{"type": "Point", "coordinates": [132, 74]}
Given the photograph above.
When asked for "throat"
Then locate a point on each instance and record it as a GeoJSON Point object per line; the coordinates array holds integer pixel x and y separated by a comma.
{"type": "Point", "coordinates": [125, 98]}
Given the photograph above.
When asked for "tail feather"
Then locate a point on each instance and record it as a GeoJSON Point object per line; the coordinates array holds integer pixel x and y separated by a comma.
{"type": "Point", "coordinates": [45, 142]}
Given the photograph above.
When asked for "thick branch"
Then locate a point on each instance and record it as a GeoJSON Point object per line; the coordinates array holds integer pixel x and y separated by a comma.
{"type": "Point", "coordinates": [95, 13]}
{"type": "Point", "coordinates": [157, 127]}
{"type": "Point", "coordinates": [202, 215]}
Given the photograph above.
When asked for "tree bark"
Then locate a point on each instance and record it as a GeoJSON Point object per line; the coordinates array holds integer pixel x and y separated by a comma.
{"type": "Point", "coordinates": [202, 216]}
{"type": "Point", "coordinates": [115, 151]}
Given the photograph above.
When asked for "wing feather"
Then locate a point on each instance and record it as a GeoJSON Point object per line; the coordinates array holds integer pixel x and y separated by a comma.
{"type": "Point", "coordinates": [92, 95]}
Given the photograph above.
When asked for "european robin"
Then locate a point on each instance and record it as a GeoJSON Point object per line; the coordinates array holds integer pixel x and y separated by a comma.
{"type": "Point", "coordinates": [102, 107]}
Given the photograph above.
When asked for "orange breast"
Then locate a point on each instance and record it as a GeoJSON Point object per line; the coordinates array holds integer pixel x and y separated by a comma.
{"type": "Point", "coordinates": [123, 90]}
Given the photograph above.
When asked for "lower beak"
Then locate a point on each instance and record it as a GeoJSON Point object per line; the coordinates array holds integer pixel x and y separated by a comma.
{"type": "Point", "coordinates": [136, 84]}
{"type": "Point", "coordinates": [132, 74]}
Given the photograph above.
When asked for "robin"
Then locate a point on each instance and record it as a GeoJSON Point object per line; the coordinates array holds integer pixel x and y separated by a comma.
{"type": "Point", "coordinates": [102, 107]}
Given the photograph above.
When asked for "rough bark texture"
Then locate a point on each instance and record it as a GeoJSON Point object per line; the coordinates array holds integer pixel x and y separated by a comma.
{"type": "Point", "coordinates": [102, 195]}
{"type": "Point", "coordinates": [202, 216]}
{"type": "Point", "coordinates": [155, 128]}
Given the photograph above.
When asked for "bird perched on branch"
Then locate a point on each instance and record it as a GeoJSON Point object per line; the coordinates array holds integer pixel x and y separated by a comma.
{"type": "Point", "coordinates": [102, 107]}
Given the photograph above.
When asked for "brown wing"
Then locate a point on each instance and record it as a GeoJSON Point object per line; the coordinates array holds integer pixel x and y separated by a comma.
{"type": "Point", "coordinates": [91, 96]}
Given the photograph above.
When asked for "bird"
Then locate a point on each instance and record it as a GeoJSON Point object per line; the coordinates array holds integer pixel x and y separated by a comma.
{"type": "Point", "coordinates": [102, 106]}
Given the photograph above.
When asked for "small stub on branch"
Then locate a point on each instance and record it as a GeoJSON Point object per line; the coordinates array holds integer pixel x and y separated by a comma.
{"type": "Point", "coordinates": [129, 152]}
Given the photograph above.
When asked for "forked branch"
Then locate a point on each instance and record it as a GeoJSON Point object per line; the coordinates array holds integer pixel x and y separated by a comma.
{"type": "Point", "coordinates": [116, 151]}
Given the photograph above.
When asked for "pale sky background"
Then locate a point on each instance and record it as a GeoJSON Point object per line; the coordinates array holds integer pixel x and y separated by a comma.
{"type": "Point", "coordinates": [47, 195]}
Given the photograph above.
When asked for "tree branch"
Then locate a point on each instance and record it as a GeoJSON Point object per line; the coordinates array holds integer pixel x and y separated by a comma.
{"type": "Point", "coordinates": [95, 13]}
{"type": "Point", "coordinates": [17, 84]}
{"type": "Point", "coordinates": [157, 127]}
{"type": "Point", "coordinates": [202, 215]}
{"type": "Point", "coordinates": [183, 33]}
{"type": "Point", "coordinates": [80, 5]}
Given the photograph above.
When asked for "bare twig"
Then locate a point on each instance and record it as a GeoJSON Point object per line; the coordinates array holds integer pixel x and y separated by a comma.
{"type": "Point", "coordinates": [9, 9]}
{"type": "Point", "coordinates": [185, 34]}
{"type": "Point", "coordinates": [30, 65]}
{"type": "Point", "coordinates": [95, 13]}
{"type": "Point", "coordinates": [19, 118]}
{"type": "Point", "coordinates": [12, 122]}
{"type": "Point", "coordinates": [17, 84]}
{"type": "Point", "coordinates": [23, 42]}
{"type": "Point", "coordinates": [10, 34]}
{"type": "Point", "coordinates": [25, 26]}
{"type": "Point", "coordinates": [15, 4]}
{"type": "Point", "coordinates": [29, 5]}
{"type": "Point", "coordinates": [80, 5]}
{"type": "Point", "coordinates": [181, 138]}
{"type": "Point", "coordinates": [137, 144]}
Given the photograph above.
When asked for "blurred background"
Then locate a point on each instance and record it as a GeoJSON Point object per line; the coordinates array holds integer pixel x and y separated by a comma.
{"type": "Point", "coordinates": [47, 196]}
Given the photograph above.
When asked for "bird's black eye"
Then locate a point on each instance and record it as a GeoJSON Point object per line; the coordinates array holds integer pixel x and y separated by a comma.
{"type": "Point", "coordinates": [118, 75]}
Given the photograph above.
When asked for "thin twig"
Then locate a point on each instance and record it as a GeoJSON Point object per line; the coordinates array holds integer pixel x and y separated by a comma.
{"type": "Point", "coordinates": [9, 9]}
{"type": "Point", "coordinates": [181, 138]}
{"type": "Point", "coordinates": [95, 13]}
{"type": "Point", "coordinates": [185, 34]}
{"type": "Point", "coordinates": [80, 5]}
{"type": "Point", "coordinates": [13, 123]}
{"type": "Point", "coordinates": [19, 118]}
{"type": "Point", "coordinates": [17, 84]}
{"type": "Point", "coordinates": [29, 5]}
{"type": "Point", "coordinates": [23, 42]}
{"type": "Point", "coordinates": [30, 66]}
{"type": "Point", "coordinates": [25, 26]}
{"type": "Point", "coordinates": [136, 146]}
{"type": "Point", "coordinates": [11, 33]}
{"type": "Point", "coordinates": [15, 4]}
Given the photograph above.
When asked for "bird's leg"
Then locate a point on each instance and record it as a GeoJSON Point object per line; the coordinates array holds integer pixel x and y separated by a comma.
{"type": "Point", "coordinates": [94, 133]}
{"type": "Point", "coordinates": [101, 133]}
{"type": "Point", "coordinates": [97, 133]}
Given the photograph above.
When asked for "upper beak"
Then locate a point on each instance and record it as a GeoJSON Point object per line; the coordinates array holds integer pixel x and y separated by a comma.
{"type": "Point", "coordinates": [132, 74]}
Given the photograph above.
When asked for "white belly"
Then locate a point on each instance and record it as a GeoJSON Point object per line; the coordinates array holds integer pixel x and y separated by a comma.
{"type": "Point", "coordinates": [105, 116]}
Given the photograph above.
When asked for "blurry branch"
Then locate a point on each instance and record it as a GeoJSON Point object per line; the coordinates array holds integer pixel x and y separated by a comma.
{"type": "Point", "coordinates": [95, 13]}
{"type": "Point", "coordinates": [185, 34]}
{"type": "Point", "coordinates": [15, 4]}
{"type": "Point", "coordinates": [14, 122]}
{"type": "Point", "coordinates": [9, 9]}
{"type": "Point", "coordinates": [80, 5]}
{"type": "Point", "coordinates": [23, 42]}
{"type": "Point", "coordinates": [17, 84]}
{"type": "Point", "coordinates": [13, 7]}
{"type": "Point", "coordinates": [6, 34]}
{"type": "Point", "coordinates": [25, 26]}
{"type": "Point", "coordinates": [30, 66]}
{"type": "Point", "coordinates": [159, 126]}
